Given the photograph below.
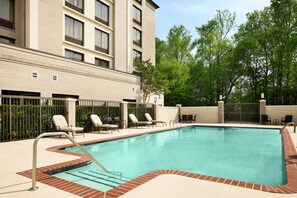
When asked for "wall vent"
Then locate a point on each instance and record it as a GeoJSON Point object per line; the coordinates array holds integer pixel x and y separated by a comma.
{"type": "Point", "coordinates": [55, 77]}
{"type": "Point", "coordinates": [34, 75]}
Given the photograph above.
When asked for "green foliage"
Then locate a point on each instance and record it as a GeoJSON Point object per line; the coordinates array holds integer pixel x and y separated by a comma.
{"type": "Point", "coordinates": [19, 122]}
{"type": "Point", "coordinates": [179, 90]}
{"type": "Point", "coordinates": [83, 114]}
{"type": "Point", "coordinates": [260, 57]}
{"type": "Point", "coordinates": [174, 58]}
{"type": "Point", "coordinates": [152, 81]}
{"type": "Point", "coordinates": [139, 110]}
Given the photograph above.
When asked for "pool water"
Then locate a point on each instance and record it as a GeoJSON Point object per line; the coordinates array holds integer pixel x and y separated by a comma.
{"type": "Point", "coordinates": [243, 154]}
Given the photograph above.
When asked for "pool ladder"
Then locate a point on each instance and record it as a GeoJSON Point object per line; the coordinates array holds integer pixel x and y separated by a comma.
{"type": "Point", "coordinates": [34, 187]}
{"type": "Point", "coordinates": [288, 124]}
{"type": "Point", "coordinates": [174, 122]}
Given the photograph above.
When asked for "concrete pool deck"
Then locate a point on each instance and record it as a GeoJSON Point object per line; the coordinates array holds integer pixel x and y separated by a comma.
{"type": "Point", "coordinates": [17, 156]}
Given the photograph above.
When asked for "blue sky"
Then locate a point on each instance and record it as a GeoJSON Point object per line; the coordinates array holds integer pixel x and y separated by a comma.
{"type": "Point", "coordinates": [193, 13]}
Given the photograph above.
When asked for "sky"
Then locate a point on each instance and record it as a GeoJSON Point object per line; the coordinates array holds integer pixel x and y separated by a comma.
{"type": "Point", "coordinates": [194, 13]}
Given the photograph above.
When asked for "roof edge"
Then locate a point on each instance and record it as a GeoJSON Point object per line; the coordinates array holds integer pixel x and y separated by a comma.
{"type": "Point", "coordinates": [153, 4]}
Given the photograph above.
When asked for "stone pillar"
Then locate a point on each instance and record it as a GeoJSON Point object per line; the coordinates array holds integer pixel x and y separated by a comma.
{"type": "Point", "coordinates": [124, 114]}
{"type": "Point", "coordinates": [262, 108]}
{"type": "Point", "coordinates": [179, 112]}
{"type": "Point", "coordinates": [70, 111]}
{"type": "Point", "coordinates": [221, 118]}
{"type": "Point", "coordinates": [155, 110]}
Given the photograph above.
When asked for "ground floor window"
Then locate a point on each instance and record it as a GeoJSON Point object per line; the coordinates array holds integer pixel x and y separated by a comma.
{"type": "Point", "coordinates": [74, 55]}
{"type": "Point", "coordinates": [101, 62]}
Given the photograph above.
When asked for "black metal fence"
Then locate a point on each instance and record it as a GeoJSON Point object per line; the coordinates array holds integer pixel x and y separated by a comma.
{"type": "Point", "coordinates": [103, 109]}
{"type": "Point", "coordinates": [24, 117]}
{"type": "Point", "coordinates": [139, 109]}
{"type": "Point", "coordinates": [242, 112]}
{"type": "Point", "coordinates": [27, 117]}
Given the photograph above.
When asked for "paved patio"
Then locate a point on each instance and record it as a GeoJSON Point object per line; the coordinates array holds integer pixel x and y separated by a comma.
{"type": "Point", "coordinates": [17, 156]}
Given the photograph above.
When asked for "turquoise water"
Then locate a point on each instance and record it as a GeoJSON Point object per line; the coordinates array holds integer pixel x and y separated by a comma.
{"type": "Point", "coordinates": [243, 154]}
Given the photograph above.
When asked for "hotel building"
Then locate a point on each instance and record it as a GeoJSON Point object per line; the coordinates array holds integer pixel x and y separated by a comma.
{"type": "Point", "coordinates": [75, 48]}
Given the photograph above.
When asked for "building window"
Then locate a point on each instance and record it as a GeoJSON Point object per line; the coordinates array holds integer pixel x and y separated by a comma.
{"type": "Point", "coordinates": [7, 13]}
{"type": "Point", "coordinates": [6, 40]}
{"type": "Point", "coordinates": [136, 37]}
{"type": "Point", "coordinates": [101, 41]}
{"type": "Point", "coordinates": [74, 55]}
{"type": "Point", "coordinates": [101, 63]}
{"type": "Point", "coordinates": [137, 56]}
{"type": "Point", "coordinates": [102, 12]}
{"type": "Point", "coordinates": [137, 15]}
{"type": "Point", "coordinates": [74, 30]}
{"type": "Point", "coordinates": [77, 5]}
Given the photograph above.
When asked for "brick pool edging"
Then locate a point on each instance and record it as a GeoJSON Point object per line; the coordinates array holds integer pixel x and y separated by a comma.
{"type": "Point", "coordinates": [83, 191]}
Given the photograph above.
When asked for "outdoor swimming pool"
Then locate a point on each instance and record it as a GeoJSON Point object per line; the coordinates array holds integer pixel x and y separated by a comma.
{"type": "Point", "coordinates": [244, 154]}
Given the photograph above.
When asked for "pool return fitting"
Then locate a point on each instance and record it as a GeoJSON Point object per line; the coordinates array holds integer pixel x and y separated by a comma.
{"type": "Point", "coordinates": [34, 187]}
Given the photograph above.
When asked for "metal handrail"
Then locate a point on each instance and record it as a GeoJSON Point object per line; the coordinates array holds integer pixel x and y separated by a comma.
{"type": "Point", "coordinates": [174, 121]}
{"type": "Point", "coordinates": [34, 187]}
{"type": "Point", "coordinates": [288, 124]}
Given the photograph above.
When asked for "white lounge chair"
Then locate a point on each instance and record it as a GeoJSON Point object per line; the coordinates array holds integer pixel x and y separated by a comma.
{"type": "Point", "coordinates": [139, 123]}
{"type": "Point", "coordinates": [98, 123]}
{"type": "Point", "coordinates": [62, 125]}
{"type": "Point", "coordinates": [150, 119]}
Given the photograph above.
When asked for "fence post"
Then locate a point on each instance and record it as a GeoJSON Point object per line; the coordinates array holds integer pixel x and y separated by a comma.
{"type": "Point", "coordinates": [262, 108]}
{"type": "Point", "coordinates": [71, 111]}
{"type": "Point", "coordinates": [124, 113]}
{"type": "Point", "coordinates": [221, 118]}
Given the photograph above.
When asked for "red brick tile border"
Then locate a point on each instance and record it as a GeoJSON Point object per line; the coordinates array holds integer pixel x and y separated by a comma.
{"type": "Point", "coordinates": [83, 191]}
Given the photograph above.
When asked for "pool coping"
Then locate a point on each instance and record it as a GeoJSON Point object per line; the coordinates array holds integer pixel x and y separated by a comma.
{"type": "Point", "coordinates": [83, 191]}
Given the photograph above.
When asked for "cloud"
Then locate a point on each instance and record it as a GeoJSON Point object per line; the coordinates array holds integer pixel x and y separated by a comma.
{"type": "Point", "coordinates": [188, 8]}
{"type": "Point", "coordinates": [245, 6]}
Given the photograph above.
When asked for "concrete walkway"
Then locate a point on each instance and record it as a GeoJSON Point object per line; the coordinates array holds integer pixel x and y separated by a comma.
{"type": "Point", "coordinates": [17, 156]}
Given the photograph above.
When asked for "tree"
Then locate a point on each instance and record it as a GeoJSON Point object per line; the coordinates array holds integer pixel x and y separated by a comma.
{"type": "Point", "coordinates": [180, 90]}
{"type": "Point", "coordinates": [179, 44]}
{"type": "Point", "coordinates": [212, 71]}
{"type": "Point", "coordinates": [152, 81]}
{"type": "Point", "coordinates": [173, 59]}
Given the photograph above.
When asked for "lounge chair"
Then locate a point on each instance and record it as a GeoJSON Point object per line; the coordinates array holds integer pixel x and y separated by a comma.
{"type": "Point", "coordinates": [265, 119]}
{"type": "Point", "coordinates": [139, 123]}
{"type": "Point", "coordinates": [62, 125]}
{"type": "Point", "coordinates": [287, 119]}
{"type": "Point", "coordinates": [150, 119]}
{"type": "Point", "coordinates": [119, 122]}
{"type": "Point", "coordinates": [98, 123]}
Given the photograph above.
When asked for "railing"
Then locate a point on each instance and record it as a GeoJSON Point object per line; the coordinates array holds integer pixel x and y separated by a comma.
{"type": "Point", "coordinates": [288, 124]}
{"type": "Point", "coordinates": [34, 164]}
{"type": "Point", "coordinates": [103, 109]}
{"type": "Point", "coordinates": [174, 122]}
{"type": "Point", "coordinates": [139, 109]}
{"type": "Point", "coordinates": [24, 117]}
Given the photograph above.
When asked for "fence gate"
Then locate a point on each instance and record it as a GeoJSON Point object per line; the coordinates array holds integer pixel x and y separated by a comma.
{"type": "Point", "coordinates": [242, 112]}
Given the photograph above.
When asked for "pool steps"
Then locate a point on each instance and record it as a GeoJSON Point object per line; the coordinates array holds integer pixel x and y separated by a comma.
{"type": "Point", "coordinates": [34, 163]}
{"type": "Point", "coordinates": [97, 177]}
